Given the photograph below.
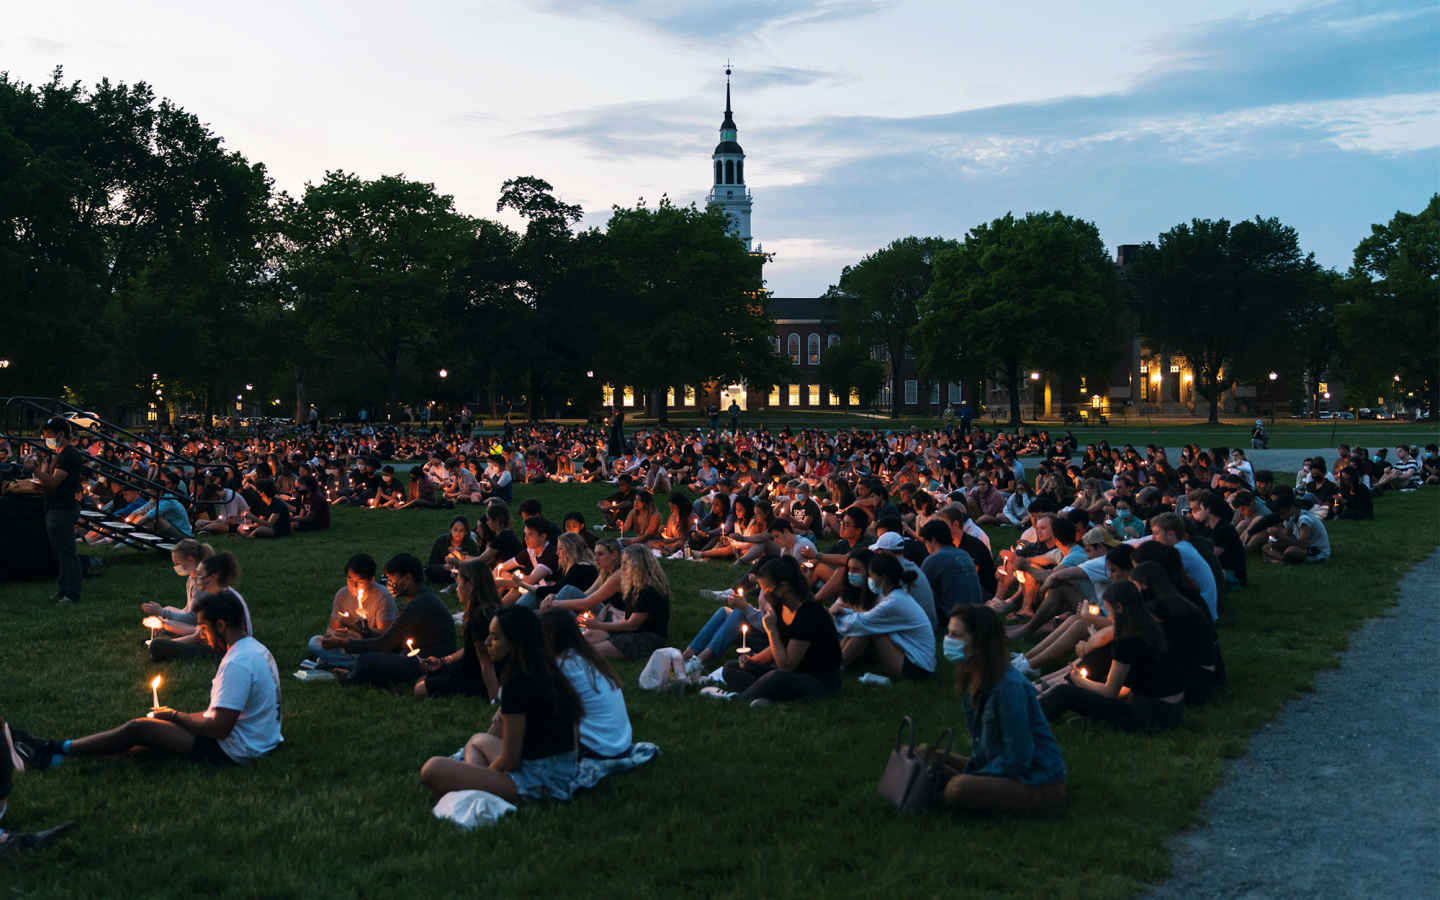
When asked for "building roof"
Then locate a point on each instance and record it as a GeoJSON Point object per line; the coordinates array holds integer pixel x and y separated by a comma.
{"type": "Point", "coordinates": [728, 147]}
{"type": "Point", "coordinates": [803, 309]}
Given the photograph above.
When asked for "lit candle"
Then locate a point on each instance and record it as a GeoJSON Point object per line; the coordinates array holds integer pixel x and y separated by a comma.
{"type": "Point", "coordinates": [153, 623]}
{"type": "Point", "coordinates": [414, 650]}
{"type": "Point", "coordinates": [744, 639]}
{"type": "Point", "coordinates": [1084, 673]}
{"type": "Point", "coordinates": [155, 693]}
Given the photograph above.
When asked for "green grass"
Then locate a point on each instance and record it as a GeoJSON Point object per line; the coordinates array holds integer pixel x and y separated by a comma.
{"type": "Point", "coordinates": [776, 803]}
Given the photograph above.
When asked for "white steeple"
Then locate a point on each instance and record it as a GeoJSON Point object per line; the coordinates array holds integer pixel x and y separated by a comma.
{"type": "Point", "coordinates": [729, 190]}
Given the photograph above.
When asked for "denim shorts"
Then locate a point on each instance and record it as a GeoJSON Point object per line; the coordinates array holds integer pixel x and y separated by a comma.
{"type": "Point", "coordinates": [552, 777]}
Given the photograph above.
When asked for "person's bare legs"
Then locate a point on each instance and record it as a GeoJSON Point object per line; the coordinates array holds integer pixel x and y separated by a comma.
{"type": "Point", "coordinates": [1059, 644]}
{"type": "Point", "coordinates": [609, 650]}
{"type": "Point", "coordinates": [441, 775]}
{"type": "Point", "coordinates": [151, 734]}
{"type": "Point", "coordinates": [851, 649]}
{"type": "Point", "coordinates": [891, 657]}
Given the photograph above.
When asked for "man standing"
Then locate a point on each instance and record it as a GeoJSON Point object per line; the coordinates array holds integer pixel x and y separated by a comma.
{"type": "Point", "coordinates": [734, 411]}
{"type": "Point", "coordinates": [966, 414]}
{"type": "Point", "coordinates": [59, 478]}
{"type": "Point", "coordinates": [714, 412]}
{"type": "Point", "coordinates": [243, 721]}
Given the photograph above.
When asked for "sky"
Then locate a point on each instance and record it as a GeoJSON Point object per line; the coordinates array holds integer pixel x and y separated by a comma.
{"type": "Point", "coordinates": [862, 121]}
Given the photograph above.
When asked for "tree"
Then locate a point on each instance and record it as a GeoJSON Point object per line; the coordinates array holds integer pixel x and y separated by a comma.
{"type": "Point", "coordinates": [1391, 323]}
{"type": "Point", "coordinates": [877, 300]}
{"type": "Point", "coordinates": [1039, 290]}
{"type": "Point", "coordinates": [694, 301]}
{"type": "Point", "coordinates": [1212, 294]}
{"type": "Point", "coordinates": [375, 265]}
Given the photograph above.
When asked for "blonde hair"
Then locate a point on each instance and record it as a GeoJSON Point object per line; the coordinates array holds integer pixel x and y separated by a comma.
{"type": "Point", "coordinates": [572, 551]}
{"type": "Point", "coordinates": [643, 571]}
{"type": "Point", "coordinates": [193, 549]}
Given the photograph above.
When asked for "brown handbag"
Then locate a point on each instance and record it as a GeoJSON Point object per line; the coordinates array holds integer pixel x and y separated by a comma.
{"type": "Point", "coordinates": [908, 781]}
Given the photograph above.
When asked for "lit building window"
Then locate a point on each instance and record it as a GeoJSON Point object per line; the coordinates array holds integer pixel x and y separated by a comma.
{"type": "Point", "coordinates": [792, 346]}
{"type": "Point", "coordinates": [629, 396]}
{"type": "Point", "coordinates": [814, 395]}
{"type": "Point", "coordinates": [832, 340]}
{"type": "Point", "coordinates": [689, 395]}
{"type": "Point", "coordinates": [794, 395]}
{"type": "Point", "coordinates": [813, 349]}
{"type": "Point", "coordinates": [775, 395]}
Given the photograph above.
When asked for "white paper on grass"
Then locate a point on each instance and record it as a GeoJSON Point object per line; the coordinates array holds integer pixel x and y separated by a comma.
{"type": "Point", "coordinates": [470, 809]}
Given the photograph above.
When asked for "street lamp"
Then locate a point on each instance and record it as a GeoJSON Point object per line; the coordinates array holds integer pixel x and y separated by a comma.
{"type": "Point", "coordinates": [1035, 393]}
{"type": "Point", "coordinates": [444, 373]}
{"type": "Point", "coordinates": [4, 363]}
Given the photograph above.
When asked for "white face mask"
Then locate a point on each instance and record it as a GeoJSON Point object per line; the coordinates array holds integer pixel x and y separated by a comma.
{"type": "Point", "coordinates": [181, 570]}
{"type": "Point", "coordinates": [52, 443]}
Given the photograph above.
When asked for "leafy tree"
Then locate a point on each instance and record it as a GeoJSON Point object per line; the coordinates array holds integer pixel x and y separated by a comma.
{"type": "Point", "coordinates": [1040, 290]}
{"type": "Point", "coordinates": [693, 301]}
{"type": "Point", "coordinates": [1213, 294]}
{"type": "Point", "coordinates": [1391, 323]}
{"type": "Point", "coordinates": [877, 300]}
{"type": "Point", "coordinates": [846, 367]}
{"type": "Point", "coordinates": [375, 265]}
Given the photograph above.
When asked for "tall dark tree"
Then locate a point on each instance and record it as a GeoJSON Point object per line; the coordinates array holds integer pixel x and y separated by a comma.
{"type": "Point", "coordinates": [375, 266]}
{"type": "Point", "coordinates": [1212, 294]}
{"type": "Point", "coordinates": [1018, 292]}
{"type": "Point", "coordinates": [877, 300]}
{"type": "Point", "coordinates": [694, 303]}
{"type": "Point", "coordinates": [1391, 323]}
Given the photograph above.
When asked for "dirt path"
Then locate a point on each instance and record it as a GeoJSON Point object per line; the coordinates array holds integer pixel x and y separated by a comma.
{"type": "Point", "coordinates": [1339, 796]}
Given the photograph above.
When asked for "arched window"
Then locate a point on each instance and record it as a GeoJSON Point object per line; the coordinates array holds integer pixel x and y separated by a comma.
{"type": "Point", "coordinates": [719, 173]}
{"type": "Point", "coordinates": [792, 346]}
{"type": "Point", "coordinates": [774, 341]}
{"type": "Point", "coordinates": [729, 171]}
{"type": "Point", "coordinates": [740, 171]}
{"type": "Point", "coordinates": [813, 349]}
{"type": "Point", "coordinates": [832, 340]}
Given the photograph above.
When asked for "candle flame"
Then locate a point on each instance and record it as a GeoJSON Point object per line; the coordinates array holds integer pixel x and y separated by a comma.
{"type": "Point", "coordinates": [1084, 673]}
{"type": "Point", "coordinates": [156, 683]}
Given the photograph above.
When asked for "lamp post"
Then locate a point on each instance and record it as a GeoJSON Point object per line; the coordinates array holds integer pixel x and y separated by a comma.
{"type": "Point", "coordinates": [1035, 393]}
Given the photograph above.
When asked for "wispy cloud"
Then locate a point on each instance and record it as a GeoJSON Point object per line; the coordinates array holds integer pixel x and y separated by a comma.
{"type": "Point", "coordinates": [723, 20]}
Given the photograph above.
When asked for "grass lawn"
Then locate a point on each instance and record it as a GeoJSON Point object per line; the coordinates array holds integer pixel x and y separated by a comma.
{"type": "Point", "coordinates": [774, 803]}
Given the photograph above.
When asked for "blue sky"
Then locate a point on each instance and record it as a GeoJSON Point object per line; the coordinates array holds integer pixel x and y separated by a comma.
{"type": "Point", "coordinates": [863, 121]}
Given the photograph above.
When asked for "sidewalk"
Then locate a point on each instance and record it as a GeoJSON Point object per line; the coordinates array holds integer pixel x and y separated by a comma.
{"type": "Point", "coordinates": [1339, 796]}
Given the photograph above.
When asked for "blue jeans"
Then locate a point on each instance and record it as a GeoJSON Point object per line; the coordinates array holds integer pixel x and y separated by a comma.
{"type": "Point", "coordinates": [60, 528]}
{"type": "Point", "coordinates": [724, 627]}
{"type": "Point", "coordinates": [335, 659]}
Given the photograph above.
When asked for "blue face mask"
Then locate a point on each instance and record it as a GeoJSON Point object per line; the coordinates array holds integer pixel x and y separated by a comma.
{"type": "Point", "coordinates": [1375, 459]}
{"type": "Point", "coordinates": [954, 649]}
{"type": "Point", "coordinates": [855, 578]}
{"type": "Point", "coordinates": [874, 588]}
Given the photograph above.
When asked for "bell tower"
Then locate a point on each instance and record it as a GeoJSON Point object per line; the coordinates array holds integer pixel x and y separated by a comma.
{"type": "Point", "coordinates": [728, 164]}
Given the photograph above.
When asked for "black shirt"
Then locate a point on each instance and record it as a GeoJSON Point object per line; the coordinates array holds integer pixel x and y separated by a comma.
{"type": "Point", "coordinates": [425, 619]}
{"type": "Point", "coordinates": [276, 507]}
{"type": "Point", "coordinates": [548, 732]}
{"type": "Point", "coordinates": [62, 496]}
{"type": "Point", "coordinates": [649, 600]}
{"type": "Point", "coordinates": [507, 546]}
{"type": "Point", "coordinates": [813, 623]}
{"type": "Point", "coordinates": [1149, 675]}
{"type": "Point", "coordinates": [1229, 549]}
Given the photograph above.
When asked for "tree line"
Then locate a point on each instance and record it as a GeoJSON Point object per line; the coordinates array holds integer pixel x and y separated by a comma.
{"type": "Point", "coordinates": [144, 263]}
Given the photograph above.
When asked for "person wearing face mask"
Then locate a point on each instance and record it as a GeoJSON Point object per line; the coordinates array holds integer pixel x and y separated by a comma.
{"type": "Point", "coordinates": [391, 493]}
{"type": "Point", "coordinates": [896, 631]}
{"type": "Point", "coordinates": [803, 659]}
{"type": "Point", "coordinates": [186, 558]}
{"type": "Point", "coordinates": [242, 722]}
{"type": "Point", "coordinates": [59, 479]}
{"type": "Point", "coordinates": [313, 512]}
{"type": "Point", "coordinates": [1015, 762]}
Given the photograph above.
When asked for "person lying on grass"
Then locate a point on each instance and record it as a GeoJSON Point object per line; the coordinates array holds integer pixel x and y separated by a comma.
{"type": "Point", "coordinates": [529, 751]}
{"type": "Point", "coordinates": [242, 722]}
{"type": "Point", "coordinates": [1015, 763]}
{"type": "Point", "coordinates": [802, 659]}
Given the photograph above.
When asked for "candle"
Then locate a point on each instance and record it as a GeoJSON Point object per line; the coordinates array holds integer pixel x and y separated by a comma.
{"type": "Point", "coordinates": [414, 651]}
{"type": "Point", "coordinates": [155, 693]}
{"type": "Point", "coordinates": [153, 623]}
{"type": "Point", "coordinates": [1084, 673]}
{"type": "Point", "coordinates": [744, 639]}
{"type": "Point", "coordinates": [1020, 577]}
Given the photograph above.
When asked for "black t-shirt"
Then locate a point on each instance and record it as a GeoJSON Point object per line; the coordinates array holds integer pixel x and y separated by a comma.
{"type": "Point", "coordinates": [547, 732]}
{"type": "Point", "coordinates": [1190, 632]}
{"type": "Point", "coordinates": [276, 507]}
{"type": "Point", "coordinates": [813, 623]}
{"type": "Point", "coordinates": [507, 546]}
{"type": "Point", "coordinates": [62, 496]}
{"type": "Point", "coordinates": [649, 600]}
{"type": "Point", "coordinates": [1229, 549]}
{"type": "Point", "coordinates": [1149, 675]}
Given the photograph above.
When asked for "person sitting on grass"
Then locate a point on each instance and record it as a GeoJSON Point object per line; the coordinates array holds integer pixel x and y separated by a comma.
{"type": "Point", "coordinates": [273, 521]}
{"type": "Point", "coordinates": [1015, 762]}
{"type": "Point", "coordinates": [895, 631]}
{"type": "Point", "coordinates": [164, 515]}
{"type": "Point", "coordinates": [529, 753]}
{"type": "Point", "coordinates": [313, 511]}
{"type": "Point", "coordinates": [644, 521]}
{"type": "Point", "coordinates": [391, 493]}
{"type": "Point", "coordinates": [424, 627]}
{"type": "Point", "coordinates": [361, 609]}
{"type": "Point", "coordinates": [213, 574]}
{"type": "Point", "coordinates": [186, 558]}
{"type": "Point", "coordinates": [420, 493]}
{"type": "Point", "coordinates": [1353, 500]}
{"type": "Point", "coordinates": [11, 841]}
{"type": "Point", "coordinates": [534, 568]}
{"type": "Point", "coordinates": [1145, 686]}
{"type": "Point", "coordinates": [222, 511]}
{"type": "Point", "coordinates": [676, 535]}
{"type": "Point", "coordinates": [450, 549]}
{"type": "Point", "coordinates": [242, 722]}
{"type": "Point", "coordinates": [606, 586]}
{"type": "Point", "coordinates": [577, 570]}
{"type": "Point", "coordinates": [469, 671]}
{"type": "Point", "coordinates": [645, 627]}
{"type": "Point", "coordinates": [1296, 535]}
{"type": "Point", "coordinates": [605, 731]}
{"type": "Point", "coordinates": [802, 659]}
{"type": "Point", "coordinates": [724, 627]}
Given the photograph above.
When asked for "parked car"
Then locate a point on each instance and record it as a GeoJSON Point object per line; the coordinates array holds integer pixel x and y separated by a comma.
{"type": "Point", "coordinates": [1366, 412]}
{"type": "Point", "coordinates": [84, 419]}
{"type": "Point", "coordinates": [1343, 414]}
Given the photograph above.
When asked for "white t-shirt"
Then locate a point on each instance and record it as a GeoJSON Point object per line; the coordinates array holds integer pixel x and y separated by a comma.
{"type": "Point", "coordinates": [1319, 537]}
{"type": "Point", "coordinates": [605, 726]}
{"type": "Point", "coordinates": [249, 682]}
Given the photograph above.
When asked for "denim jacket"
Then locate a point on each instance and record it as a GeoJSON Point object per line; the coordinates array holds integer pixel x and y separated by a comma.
{"type": "Point", "coordinates": [1009, 737]}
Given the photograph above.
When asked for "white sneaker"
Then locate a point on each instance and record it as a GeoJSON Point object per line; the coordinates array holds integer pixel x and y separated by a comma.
{"type": "Point", "coordinates": [715, 595]}
{"type": "Point", "coordinates": [1022, 665]}
{"type": "Point", "coordinates": [716, 693]}
{"type": "Point", "coordinates": [693, 664]}
{"type": "Point", "coordinates": [678, 554]}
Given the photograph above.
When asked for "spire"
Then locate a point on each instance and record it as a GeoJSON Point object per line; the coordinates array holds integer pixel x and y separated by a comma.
{"type": "Point", "coordinates": [729, 123]}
